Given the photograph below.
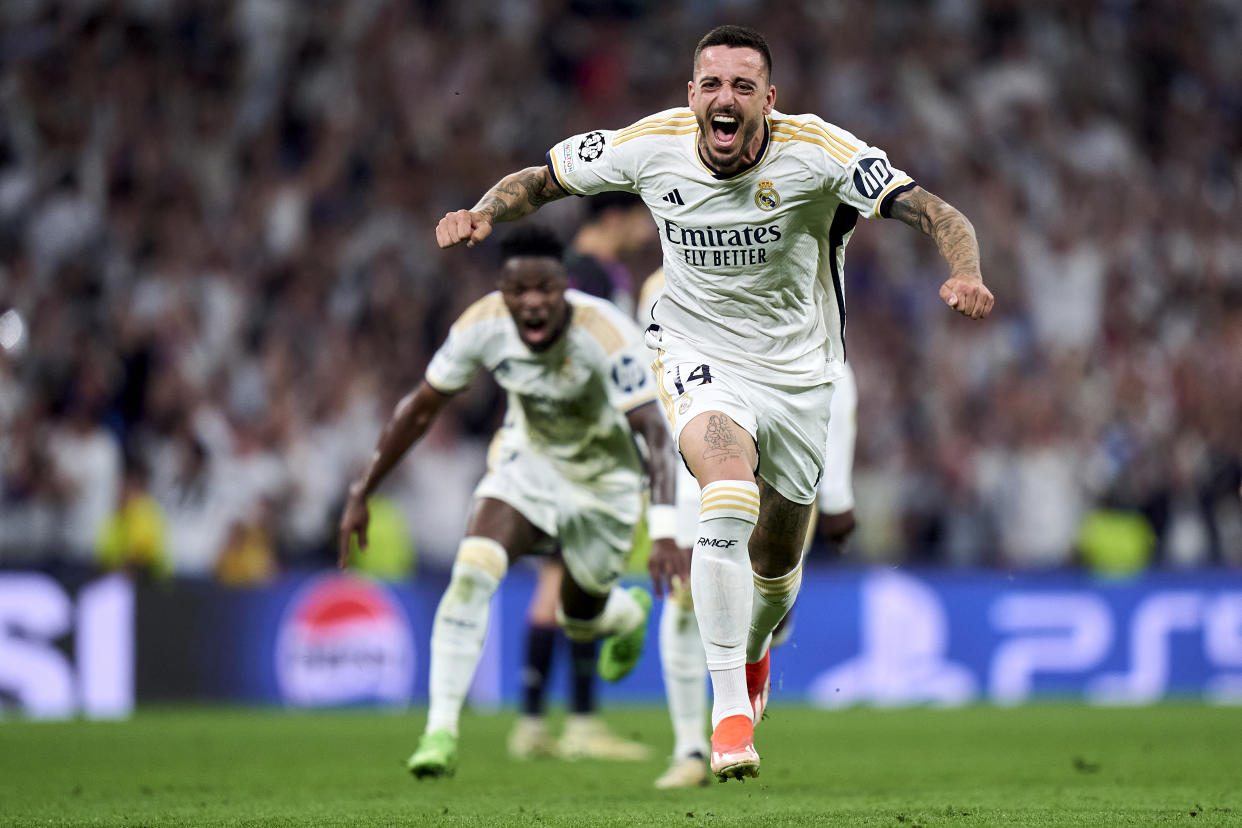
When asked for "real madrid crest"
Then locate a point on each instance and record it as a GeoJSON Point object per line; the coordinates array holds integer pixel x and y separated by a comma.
{"type": "Point", "coordinates": [766, 197]}
{"type": "Point", "coordinates": [686, 402]}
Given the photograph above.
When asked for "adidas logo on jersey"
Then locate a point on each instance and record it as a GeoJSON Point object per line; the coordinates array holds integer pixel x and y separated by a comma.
{"type": "Point", "coordinates": [673, 198]}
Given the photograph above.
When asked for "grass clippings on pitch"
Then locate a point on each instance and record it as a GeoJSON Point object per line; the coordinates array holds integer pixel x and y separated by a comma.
{"type": "Point", "coordinates": [1046, 765]}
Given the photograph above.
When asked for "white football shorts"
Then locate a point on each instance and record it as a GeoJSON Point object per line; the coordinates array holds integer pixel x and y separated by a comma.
{"type": "Point", "coordinates": [789, 424]}
{"type": "Point", "coordinates": [594, 522]}
{"type": "Point", "coordinates": [836, 488]}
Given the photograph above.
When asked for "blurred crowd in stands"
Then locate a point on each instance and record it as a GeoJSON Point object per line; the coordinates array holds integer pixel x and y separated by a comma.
{"type": "Point", "coordinates": [218, 270]}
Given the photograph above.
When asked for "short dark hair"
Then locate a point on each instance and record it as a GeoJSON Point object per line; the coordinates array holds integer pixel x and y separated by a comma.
{"type": "Point", "coordinates": [601, 203]}
{"type": "Point", "coordinates": [531, 240]}
{"type": "Point", "coordinates": [737, 37]}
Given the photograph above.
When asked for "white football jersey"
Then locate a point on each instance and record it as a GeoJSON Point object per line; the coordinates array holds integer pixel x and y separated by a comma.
{"type": "Point", "coordinates": [569, 402]}
{"type": "Point", "coordinates": [753, 261]}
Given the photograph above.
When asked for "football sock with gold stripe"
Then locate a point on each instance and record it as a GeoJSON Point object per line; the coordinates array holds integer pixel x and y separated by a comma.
{"type": "Point", "coordinates": [721, 580]}
{"type": "Point", "coordinates": [773, 598]}
{"type": "Point", "coordinates": [459, 627]}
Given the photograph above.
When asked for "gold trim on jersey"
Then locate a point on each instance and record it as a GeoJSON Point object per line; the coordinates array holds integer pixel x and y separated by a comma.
{"type": "Point", "coordinates": [683, 130]}
{"type": "Point", "coordinates": [880, 199]}
{"type": "Point", "coordinates": [782, 138]}
{"type": "Point", "coordinates": [491, 306]}
{"type": "Point", "coordinates": [821, 129]}
{"type": "Point", "coordinates": [657, 365]}
{"type": "Point", "coordinates": [818, 136]}
{"type": "Point", "coordinates": [678, 118]}
{"type": "Point", "coordinates": [599, 326]}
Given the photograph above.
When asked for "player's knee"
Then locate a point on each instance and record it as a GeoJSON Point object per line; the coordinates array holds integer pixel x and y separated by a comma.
{"type": "Point", "coordinates": [481, 563]}
{"type": "Point", "coordinates": [729, 499]}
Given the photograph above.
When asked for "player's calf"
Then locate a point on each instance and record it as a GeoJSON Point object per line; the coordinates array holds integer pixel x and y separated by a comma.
{"type": "Point", "coordinates": [459, 628]}
{"type": "Point", "coordinates": [773, 599]}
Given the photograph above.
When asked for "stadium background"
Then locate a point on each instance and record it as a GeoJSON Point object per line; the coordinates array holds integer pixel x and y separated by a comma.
{"type": "Point", "coordinates": [217, 275]}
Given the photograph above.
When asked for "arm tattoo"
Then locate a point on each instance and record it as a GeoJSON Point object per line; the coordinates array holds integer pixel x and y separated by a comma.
{"type": "Point", "coordinates": [519, 194]}
{"type": "Point", "coordinates": [720, 443]}
{"type": "Point", "coordinates": [953, 233]}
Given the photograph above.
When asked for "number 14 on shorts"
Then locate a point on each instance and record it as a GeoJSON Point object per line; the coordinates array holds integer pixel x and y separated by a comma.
{"type": "Point", "coordinates": [700, 375]}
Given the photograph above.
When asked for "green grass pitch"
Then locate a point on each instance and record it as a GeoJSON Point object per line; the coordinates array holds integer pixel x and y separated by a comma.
{"type": "Point", "coordinates": [1045, 765]}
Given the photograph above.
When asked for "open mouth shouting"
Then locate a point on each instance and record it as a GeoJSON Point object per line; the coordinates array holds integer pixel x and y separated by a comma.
{"type": "Point", "coordinates": [725, 129]}
{"type": "Point", "coordinates": [535, 329]}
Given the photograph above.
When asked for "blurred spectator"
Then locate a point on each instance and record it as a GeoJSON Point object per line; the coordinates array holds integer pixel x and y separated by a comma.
{"type": "Point", "coordinates": [193, 493]}
{"type": "Point", "coordinates": [1116, 542]}
{"type": "Point", "coordinates": [135, 538]}
{"type": "Point", "coordinates": [85, 463]}
{"type": "Point", "coordinates": [216, 243]}
{"type": "Point", "coordinates": [248, 557]}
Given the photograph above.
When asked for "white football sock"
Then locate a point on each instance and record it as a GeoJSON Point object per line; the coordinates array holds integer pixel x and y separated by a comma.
{"type": "Point", "coordinates": [681, 656]}
{"type": "Point", "coordinates": [773, 598]}
{"type": "Point", "coordinates": [459, 627]}
{"type": "Point", "coordinates": [721, 581]}
{"type": "Point", "coordinates": [728, 686]}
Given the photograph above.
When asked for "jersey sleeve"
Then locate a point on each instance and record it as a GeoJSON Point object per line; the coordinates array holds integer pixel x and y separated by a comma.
{"type": "Point", "coordinates": [627, 370]}
{"type": "Point", "coordinates": [589, 163]}
{"type": "Point", "coordinates": [868, 182]}
{"type": "Point", "coordinates": [630, 381]}
{"type": "Point", "coordinates": [455, 363]}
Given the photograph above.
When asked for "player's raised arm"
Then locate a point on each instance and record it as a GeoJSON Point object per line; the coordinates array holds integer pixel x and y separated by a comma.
{"type": "Point", "coordinates": [514, 196]}
{"type": "Point", "coordinates": [408, 423]}
{"type": "Point", "coordinates": [666, 559]}
{"type": "Point", "coordinates": [954, 235]}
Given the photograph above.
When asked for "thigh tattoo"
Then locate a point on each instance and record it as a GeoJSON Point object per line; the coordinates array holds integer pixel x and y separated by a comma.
{"type": "Point", "coordinates": [718, 439]}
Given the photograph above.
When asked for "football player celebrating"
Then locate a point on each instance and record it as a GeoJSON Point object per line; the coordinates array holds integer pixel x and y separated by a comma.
{"type": "Point", "coordinates": [563, 469]}
{"type": "Point", "coordinates": [754, 210]}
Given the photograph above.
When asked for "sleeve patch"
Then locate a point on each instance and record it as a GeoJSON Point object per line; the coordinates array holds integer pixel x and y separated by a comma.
{"type": "Point", "coordinates": [628, 374]}
{"type": "Point", "coordinates": [591, 147]}
{"type": "Point", "coordinates": [872, 176]}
